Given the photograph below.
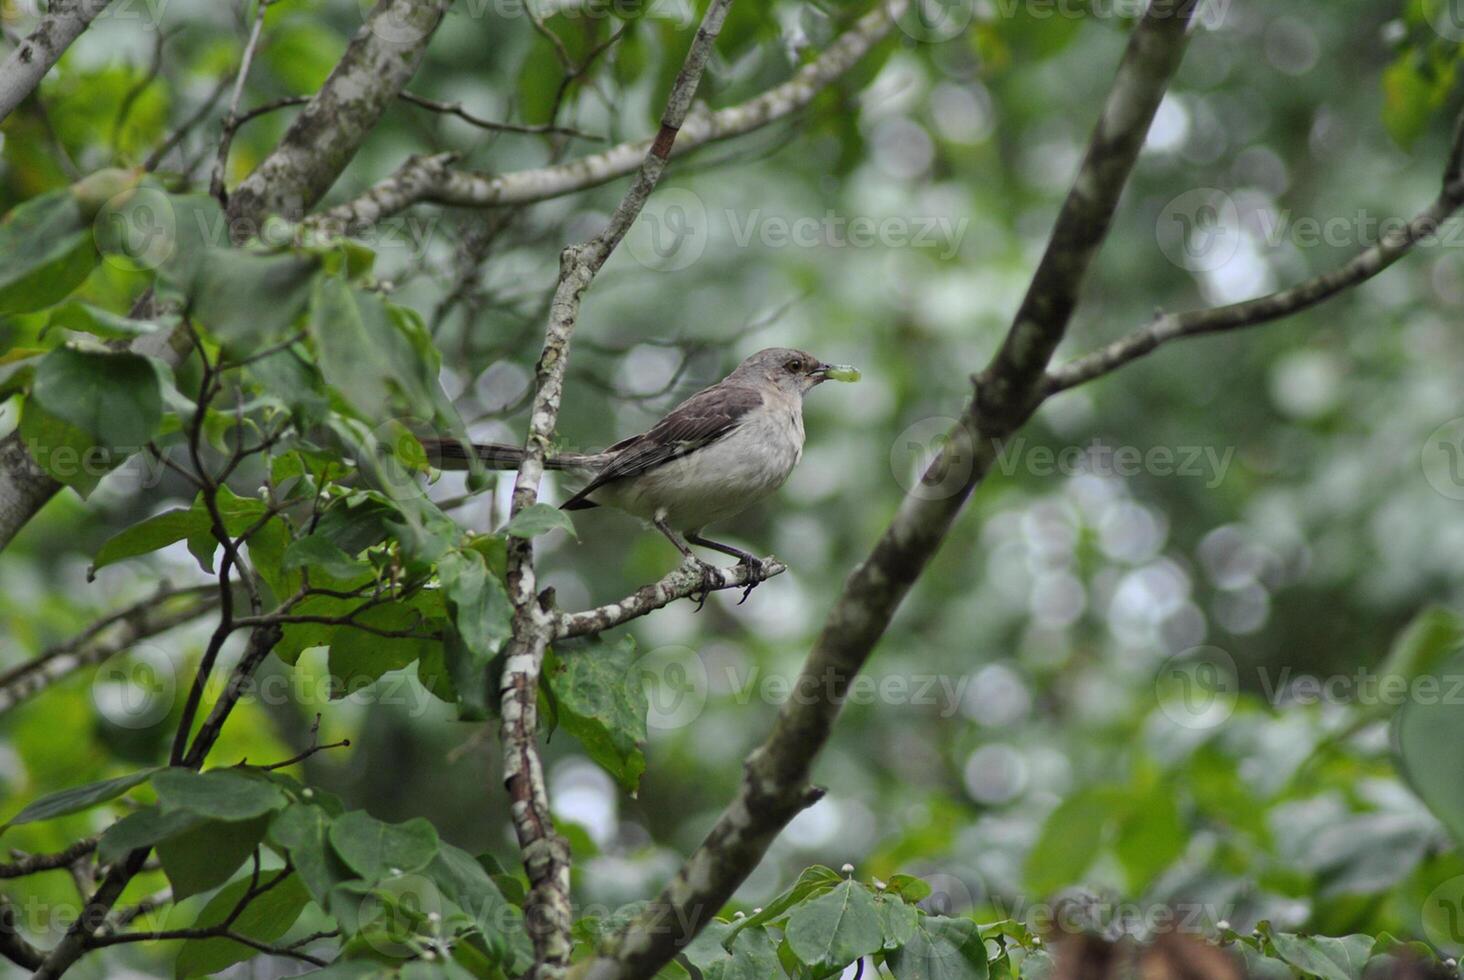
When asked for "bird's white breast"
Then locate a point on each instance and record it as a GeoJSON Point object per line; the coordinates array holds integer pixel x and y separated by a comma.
{"type": "Point", "coordinates": [723, 478]}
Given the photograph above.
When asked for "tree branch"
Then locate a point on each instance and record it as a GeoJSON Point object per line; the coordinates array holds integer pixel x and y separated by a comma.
{"type": "Point", "coordinates": [24, 67]}
{"type": "Point", "coordinates": [431, 179]}
{"type": "Point", "coordinates": [322, 139]}
{"type": "Point", "coordinates": [105, 638]}
{"type": "Point", "coordinates": [1265, 309]}
{"type": "Point", "coordinates": [775, 786]}
{"type": "Point", "coordinates": [13, 946]}
{"type": "Point", "coordinates": [32, 863]}
{"type": "Point", "coordinates": [680, 583]}
{"type": "Point", "coordinates": [549, 913]}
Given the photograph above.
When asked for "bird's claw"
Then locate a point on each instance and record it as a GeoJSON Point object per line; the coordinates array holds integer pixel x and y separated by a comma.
{"type": "Point", "coordinates": [710, 580]}
{"type": "Point", "coordinates": [757, 574]}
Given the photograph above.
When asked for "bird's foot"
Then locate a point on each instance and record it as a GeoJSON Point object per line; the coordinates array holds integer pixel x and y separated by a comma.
{"type": "Point", "coordinates": [711, 578]}
{"type": "Point", "coordinates": [757, 573]}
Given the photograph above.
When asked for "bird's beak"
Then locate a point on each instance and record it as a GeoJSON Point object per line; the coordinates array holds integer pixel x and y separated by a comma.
{"type": "Point", "coordinates": [836, 372]}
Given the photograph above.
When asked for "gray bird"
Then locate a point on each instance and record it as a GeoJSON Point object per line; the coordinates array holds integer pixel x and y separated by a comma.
{"type": "Point", "coordinates": [714, 455]}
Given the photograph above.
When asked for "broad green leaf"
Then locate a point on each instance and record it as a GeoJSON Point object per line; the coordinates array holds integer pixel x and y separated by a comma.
{"type": "Point", "coordinates": [908, 887]}
{"type": "Point", "coordinates": [77, 798]}
{"type": "Point", "coordinates": [897, 919]}
{"type": "Point", "coordinates": [1411, 97]}
{"type": "Point", "coordinates": [375, 849]}
{"type": "Point", "coordinates": [477, 602]}
{"type": "Point", "coordinates": [67, 454]}
{"type": "Point", "coordinates": [836, 929]}
{"type": "Point", "coordinates": [206, 854]}
{"type": "Point", "coordinates": [722, 953]}
{"type": "Point", "coordinates": [467, 884]}
{"type": "Point", "coordinates": [303, 831]}
{"type": "Point", "coordinates": [148, 536]}
{"type": "Point", "coordinates": [364, 356]}
{"type": "Point", "coordinates": [46, 250]}
{"type": "Point", "coordinates": [537, 519]}
{"type": "Point", "coordinates": [86, 318]}
{"type": "Point", "coordinates": [813, 881]}
{"type": "Point", "coordinates": [602, 703]}
{"type": "Point", "coordinates": [1430, 637]}
{"type": "Point", "coordinates": [941, 949]}
{"type": "Point", "coordinates": [249, 301]}
{"type": "Point", "coordinates": [358, 657]}
{"type": "Point", "coordinates": [1323, 956]}
{"type": "Point", "coordinates": [1151, 835]}
{"type": "Point", "coordinates": [219, 794]}
{"type": "Point", "coordinates": [266, 918]}
{"type": "Point", "coordinates": [317, 552]}
{"type": "Point", "coordinates": [1069, 842]}
{"type": "Point", "coordinates": [116, 398]}
{"type": "Point", "coordinates": [142, 828]}
{"type": "Point", "coordinates": [1427, 732]}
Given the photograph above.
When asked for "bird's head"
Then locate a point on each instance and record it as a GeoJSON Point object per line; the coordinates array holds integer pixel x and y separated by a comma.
{"type": "Point", "coordinates": [794, 371]}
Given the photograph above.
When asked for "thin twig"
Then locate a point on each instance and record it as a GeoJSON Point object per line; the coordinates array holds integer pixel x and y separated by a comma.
{"type": "Point", "coordinates": [457, 109]}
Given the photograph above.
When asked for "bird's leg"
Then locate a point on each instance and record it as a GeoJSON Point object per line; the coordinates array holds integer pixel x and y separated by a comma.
{"type": "Point", "coordinates": [709, 575]}
{"type": "Point", "coordinates": [756, 572]}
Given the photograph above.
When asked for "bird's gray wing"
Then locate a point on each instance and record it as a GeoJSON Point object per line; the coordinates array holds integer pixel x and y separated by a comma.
{"type": "Point", "coordinates": [702, 419]}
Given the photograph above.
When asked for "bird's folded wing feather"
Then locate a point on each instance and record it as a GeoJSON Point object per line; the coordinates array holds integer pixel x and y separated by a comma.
{"type": "Point", "coordinates": [702, 419]}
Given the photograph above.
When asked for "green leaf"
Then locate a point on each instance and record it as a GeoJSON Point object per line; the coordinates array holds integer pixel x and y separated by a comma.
{"type": "Point", "coordinates": [476, 601]}
{"type": "Point", "coordinates": [1411, 96]}
{"type": "Point", "coordinates": [602, 703]}
{"type": "Point", "coordinates": [249, 301]}
{"type": "Point", "coordinates": [358, 657]}
{"type": "Point", "coordinates": [537, 519]}
{"type": "Point", "coordinates": [1423, 644]}
{"type": "Point", "coordinates": [1151, 836]}
{"type": "Point", "coordinates": [750, 954]}
{"type": "Point", "coordinates": [85, 318]}
{"type": "Point", "coordinates": [1323, 956]}
{"type": "Point", "coordinates": [77, 798]}
{"type": "Point", "coordinates": [897, 920]}
{"type": "Point", "coordinates": [467, 884]}
{"type": "Point", "coordinates": [148, 536]}
{"type": "Point", "coordinates": [116, 398]}
{"type": "Point", "coordinates": [266, 918]}
{"type": "Point", "coordinates": [1068, 843]}
{"type": "Point", "coordinates": [219, 794]}
{"type": "Point", "coordinates": [374, 849]}
{"type": "Point", "coordinates": [316, 552]}
{"type": "Point", "coordinates": [941, 949]}
{"type": "Point", "coordinates": [143, 828]}
{"type": "Point", "coordinates": [67, 454]}
{"type": "Point", "coordinates": [46, 250]}
{"type": "Point", "coordinates": [836, 929]}
{"type": "Point", "coordinates": [1427, 732]}
{"type": "Point", "coordinates": [208, 853]}
{"type": "Point", "coordinates": [303, 831]}
{"type": "Point", "coordinates": [364, 354]}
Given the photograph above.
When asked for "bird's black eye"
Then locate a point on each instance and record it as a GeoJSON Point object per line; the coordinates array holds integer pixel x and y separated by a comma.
{"type": "Point", "coordinates": [794, 365]}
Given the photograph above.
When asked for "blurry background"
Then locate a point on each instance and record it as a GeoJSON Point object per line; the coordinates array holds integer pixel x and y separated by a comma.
{"type": "Point", "coordinates": [1282, 496]}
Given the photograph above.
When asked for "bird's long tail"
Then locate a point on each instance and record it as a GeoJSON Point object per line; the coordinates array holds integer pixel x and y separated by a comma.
{"type": "Point", "coordinates": [450, 454]}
